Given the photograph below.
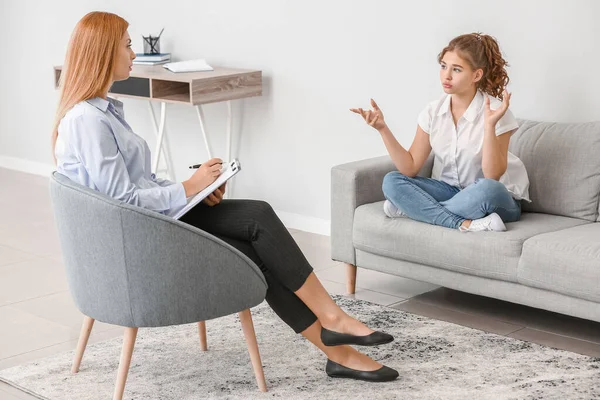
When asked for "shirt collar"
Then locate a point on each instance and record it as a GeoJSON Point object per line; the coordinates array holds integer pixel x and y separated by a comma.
{"type": "Point", "coordinates": [471, 112]}
{"type": "Point", "coordinates": [103, 104]}
{"type": "Point", "coordinates": [474, 107]}
{"type": "Point", "coordinates": [445, 107]}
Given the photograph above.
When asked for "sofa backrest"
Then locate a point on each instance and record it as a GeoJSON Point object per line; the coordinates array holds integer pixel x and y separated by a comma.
{"type": "Point", "coordinates": [563, 165]}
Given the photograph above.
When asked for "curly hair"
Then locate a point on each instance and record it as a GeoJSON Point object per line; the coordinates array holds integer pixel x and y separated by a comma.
{"type": "Point", "coordinates": [482, 51]}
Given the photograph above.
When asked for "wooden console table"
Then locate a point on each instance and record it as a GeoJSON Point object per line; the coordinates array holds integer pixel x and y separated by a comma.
{"type": "Point", "coordinates": [192, 88]}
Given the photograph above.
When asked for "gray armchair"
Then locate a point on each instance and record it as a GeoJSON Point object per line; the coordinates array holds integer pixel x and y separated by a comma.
{"type": "Point", "coordinates": [136, 268]}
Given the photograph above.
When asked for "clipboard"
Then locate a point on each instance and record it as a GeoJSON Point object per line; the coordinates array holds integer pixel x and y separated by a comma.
{"type": "Point", "coordinates": [230, 170]}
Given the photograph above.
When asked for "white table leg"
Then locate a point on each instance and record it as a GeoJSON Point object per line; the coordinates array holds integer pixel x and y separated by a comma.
{"type": "Point", "coordinates": [169, 160]}
{"type": "Point", "coordinates": [167, 148]}
{"type": "Point", "coordinates": [203, 129]}
{"type": "Point", "coordinates": [228, 138]}
{"type": "Point", "coordinates": [160, 134]}
{"type": "Point", "coordinates": [229, 129]}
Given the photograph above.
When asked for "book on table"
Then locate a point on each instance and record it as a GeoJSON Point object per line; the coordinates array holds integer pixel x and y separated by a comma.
{"type": "Point", "coordinates": [136, 62]}
{"type": "Point", "coordinates": [152, 57]}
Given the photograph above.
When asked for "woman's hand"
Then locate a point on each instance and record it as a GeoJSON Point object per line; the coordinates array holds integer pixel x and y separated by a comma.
{"type": "Point", "coordinates": [204, 176]}
{"type": "Point", "coordinates": [372, 117]}
{"type": "Point", "coordinates": [491, 117]}
{"type": "Point", "coordinates": [215, 197]}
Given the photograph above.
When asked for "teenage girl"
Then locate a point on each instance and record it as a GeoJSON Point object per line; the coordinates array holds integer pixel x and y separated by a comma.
{"type": "Point", "coordinates": [476, 183]}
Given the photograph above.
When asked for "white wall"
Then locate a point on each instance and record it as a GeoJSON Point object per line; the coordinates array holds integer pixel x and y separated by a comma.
{"type": "Point", "coordinates": [318, 58]}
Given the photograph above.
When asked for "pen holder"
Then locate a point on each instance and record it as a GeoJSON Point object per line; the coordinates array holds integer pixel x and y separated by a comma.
{"type": "Point", "coordinates": [151, 44]}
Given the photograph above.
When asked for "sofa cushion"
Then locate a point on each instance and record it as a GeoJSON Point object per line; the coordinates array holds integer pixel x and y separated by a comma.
{"type": "Point", "coordinates": [487, 254]}
{"type": "Point", "coordinates": [563, 167]}
{"type": "Point", "coordinates": [566, 261]}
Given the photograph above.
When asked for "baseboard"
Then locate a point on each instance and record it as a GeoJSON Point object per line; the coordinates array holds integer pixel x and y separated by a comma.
{"type": "Point", "coordinates": [291, 220]}
{"type": "Point", "coordinates": [30, 167]}
{"type": "Point", "coordinates": [305, 223]}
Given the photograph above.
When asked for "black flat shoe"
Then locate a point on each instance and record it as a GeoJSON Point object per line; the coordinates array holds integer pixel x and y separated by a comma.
{"type": "Point", "coordinates": [331, 338]}
{"type": "Point", "coordinates": [383, 374]}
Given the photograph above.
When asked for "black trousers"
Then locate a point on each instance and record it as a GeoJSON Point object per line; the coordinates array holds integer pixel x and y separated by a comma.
{"type": "Point", "coordinates": [252, 227]}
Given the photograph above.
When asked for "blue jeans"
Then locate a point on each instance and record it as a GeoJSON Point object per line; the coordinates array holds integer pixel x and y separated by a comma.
{"type": "Point", "coordinates": [438, 203]}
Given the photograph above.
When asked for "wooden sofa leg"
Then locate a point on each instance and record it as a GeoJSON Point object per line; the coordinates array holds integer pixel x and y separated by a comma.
{"type": "Point", "coordinates": [126, 352]}
{"type": "Point", "coordinates": [351, 278]}
{"type": "Point", "coordinates": [202, 333]}
{"type": "Point", "coordinates": [250, 335]}
{"type": "Point", "coordinates": [84, 335]}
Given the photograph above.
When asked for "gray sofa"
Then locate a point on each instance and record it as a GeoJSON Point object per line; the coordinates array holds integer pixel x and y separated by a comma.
{"type": "Point", "coordinates": [550, 259]}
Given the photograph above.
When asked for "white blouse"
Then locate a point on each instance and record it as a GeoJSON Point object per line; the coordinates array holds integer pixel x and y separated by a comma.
{"type": "Point", "coordinates": [458, 149]}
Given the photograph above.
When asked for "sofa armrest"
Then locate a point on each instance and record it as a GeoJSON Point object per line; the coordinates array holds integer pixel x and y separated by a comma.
{"type": "Point", "coordinates": [352, 185]}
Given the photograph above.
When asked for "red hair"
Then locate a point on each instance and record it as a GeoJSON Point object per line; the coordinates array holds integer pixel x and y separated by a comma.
{"type": "Point", "coordinates": [89, 64]}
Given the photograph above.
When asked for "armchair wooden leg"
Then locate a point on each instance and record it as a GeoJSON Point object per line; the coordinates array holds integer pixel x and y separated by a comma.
{"type": "Point", "coordinates": [84, 335]}
{"type": "Point", "coordinates": [202, 333]}
{"type": "Point", "coordinates": [126, 352]}
{"type": "Point", "coordinates": [248, 328]}
{"type": "Point", "coordinates": [351, 278]}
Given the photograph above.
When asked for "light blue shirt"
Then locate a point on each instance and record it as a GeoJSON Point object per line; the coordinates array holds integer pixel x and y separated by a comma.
{"type": "Point", "coordinates": [97, 148]}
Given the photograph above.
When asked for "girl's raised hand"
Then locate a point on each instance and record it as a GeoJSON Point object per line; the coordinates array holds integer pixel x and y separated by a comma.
{"type": "Point", "coordinates": [372, 117]}
{"type": "Point", "coordinates": [492, 117]}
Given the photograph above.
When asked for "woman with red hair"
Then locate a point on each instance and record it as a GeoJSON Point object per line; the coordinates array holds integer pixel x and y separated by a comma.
{"type": "Point", "coordinates": [94, 146]}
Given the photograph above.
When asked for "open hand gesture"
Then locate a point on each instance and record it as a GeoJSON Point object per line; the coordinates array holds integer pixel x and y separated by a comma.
{"type": "Point", "coordinates": [491, 117]}
{"type": "Point", "coordinates": [372, 117]}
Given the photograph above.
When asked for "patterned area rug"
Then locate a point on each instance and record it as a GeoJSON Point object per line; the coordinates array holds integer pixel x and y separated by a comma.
{"type": "Point", "coordinates": [436, 360]}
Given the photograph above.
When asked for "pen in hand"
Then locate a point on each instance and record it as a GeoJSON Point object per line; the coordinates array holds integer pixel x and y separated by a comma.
{"type": "Point", "coordinates": [196, 166]}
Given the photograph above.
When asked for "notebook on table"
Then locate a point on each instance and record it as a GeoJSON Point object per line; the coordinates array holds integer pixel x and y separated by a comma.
{"type": "Point", "coordinates": [188, 66]}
